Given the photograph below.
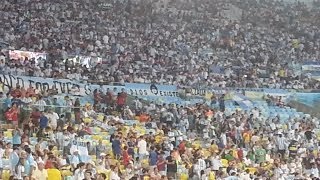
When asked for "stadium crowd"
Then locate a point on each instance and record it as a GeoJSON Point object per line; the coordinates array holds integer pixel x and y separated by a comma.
{"type": "Point", "coordinates": [183, 43]}
{"type": "Point", "coordinates": [165, 42]}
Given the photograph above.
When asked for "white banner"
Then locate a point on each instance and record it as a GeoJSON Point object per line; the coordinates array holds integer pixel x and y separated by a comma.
{"type": "Point", "coordinates": [81, 146]}
{"type": "Point", "coordinates": [64, 86]}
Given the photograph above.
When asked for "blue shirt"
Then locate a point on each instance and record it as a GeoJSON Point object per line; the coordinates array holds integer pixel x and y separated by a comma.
{"type": "Point", "coordinates": [43, 122]}
{"type": "Point", "coordinates": [7, 102]}
{"type": "Point", "coordinates": [153, 158]}
{"type": "Point", "coordinates": [31, 161]}
{"type": "Point", "coordinates": [116, 147]}
{"type": "Point", "coordinates": [27, 167]}
{"type": "Point", "coordinates": [14, 160]}
{"type": "Point", "coordinates": [16, 138]}
{"type": "Point", "coordinates": [75, 159]}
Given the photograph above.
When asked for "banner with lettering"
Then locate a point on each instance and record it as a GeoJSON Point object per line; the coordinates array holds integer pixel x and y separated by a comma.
{"type": "Point", "coordinates": [64, 86]}
{"type": "Point", "coordinates": [80, 146]}
{"type": "Point", "coordinates": [154, 92]}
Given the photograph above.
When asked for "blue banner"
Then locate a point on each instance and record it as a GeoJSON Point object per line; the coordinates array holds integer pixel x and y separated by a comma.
{"type": "Point", "coordinates": [153, 92]}
{"type": "Point", "coordinates": [309, 99]}
{"type": "Point", "coordinates": [311, 66]}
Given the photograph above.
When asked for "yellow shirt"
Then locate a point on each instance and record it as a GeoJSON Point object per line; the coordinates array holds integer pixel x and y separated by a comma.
{"type": "Point", "coordinates": [214, 148]}
{"type": "Point", "coordinates": [281, 73]}
{"type": "Point", "coordinates": [212, 176]}
{"type": "Point", "coordinates": [54, 174]}
{"type": "Point", "coordinates": [40, 175]}
{"type": "Point", "coordinates": [246, 137]}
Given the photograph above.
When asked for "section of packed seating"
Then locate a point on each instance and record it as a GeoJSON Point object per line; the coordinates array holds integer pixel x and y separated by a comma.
{"type": "Point", "coordinates": [158, 89]}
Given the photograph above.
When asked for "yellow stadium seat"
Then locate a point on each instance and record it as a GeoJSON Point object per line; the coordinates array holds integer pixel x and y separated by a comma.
{"type": "Point", "coordinates": [224, 162]}
{"type": "Point", "coordinates": [5, 174]}
{"type": "Point", "coordinates": [105, 142]}
{"type": "Point", "coordinates": [66, 173]}
{"type": "Point", "coordinates": [104, 133]}
{"type": "Point", "coordinates": [87, 120]}
{"type": "Point", "coordinates": [212, 176]}
{"type": "Point", "coordinates": [145, 163]}
{"type": "Point", "coordinates": [252, 170]}
{"type": "Point", "coordinates": [97, 129]}
{"type": "Point", "coordinates": [97, 137]}
{"type": "Point", "coordinates": [197, 145]}
{"type": "Point", "coordinates": [7, 134]}
{"type": "Point", "coordinates": [56, 152]}
{"type": "Point", "coordinates": [206, 153]}
{"type": "Point", "coordinates": [183, 176]}
{"type": "Point", "coordinates": [100, 117]}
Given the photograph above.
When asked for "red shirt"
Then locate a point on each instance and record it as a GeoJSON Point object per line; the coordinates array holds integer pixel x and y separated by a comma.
{"type": "Point", "coordinates": [121, 99]}
{"type": "Point", "coordinates": [35, 116]}
{"type": "Point", "coordinates": [161, 165]}
{"type": "Point", "coordinates": [182, 147]}
{"type": "Point", "coordinates": [12, 114]}
{"type": "Point", "coordinates": [126, 158]}
{"type": "Point", "coordinates": [108, 97]}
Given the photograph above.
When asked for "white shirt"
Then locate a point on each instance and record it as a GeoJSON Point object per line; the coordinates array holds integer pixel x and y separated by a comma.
{"type": "Point", "coordinates": [245, 176]}
{"type": "Point", "coordinates": [216, 163]}
{"type": "Point", "coordinates": [202, 164]}
{"type": "Point", "coordinates": [19, 173]}
{"type": "Point", "coordinates": [315, 172]}
{"type": "Point", "coordinates": [41, 104]}
{"type": "Point", "coordinates": [114, 176]}
{"type": "Point", "coordinates": [1, 156]}
{"type": "Point", "coordinates": [53, 119]}
{"type": "Point", "coordinates": [78, 175]}
{"type": "Point", "coordinates": [66, 140]}
{"type": "Point", "coordinates": [142, 145]}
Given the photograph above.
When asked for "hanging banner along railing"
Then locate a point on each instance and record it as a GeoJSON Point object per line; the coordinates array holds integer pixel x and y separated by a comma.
{"type": "Point", "coordinates": [62, 85]}
{"type": "Point", "coordinates": [136, 89]}
{"type": "Point", "coordinates": [251, 93]}
{"type": "Point", "coordinates": [311, 66]}
{"type": "Point", "coordinates": [154, 92]}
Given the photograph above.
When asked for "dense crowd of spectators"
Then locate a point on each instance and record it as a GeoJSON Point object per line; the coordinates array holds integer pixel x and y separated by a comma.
{"type": "Point", "coordinates": [185, 43]}
{"type": "Point", "coordinates": [167, 42]}
{"type": "Point", "coordinates": [191, 142]}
